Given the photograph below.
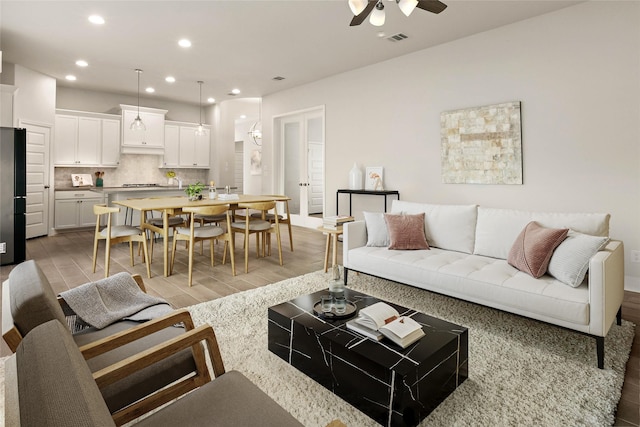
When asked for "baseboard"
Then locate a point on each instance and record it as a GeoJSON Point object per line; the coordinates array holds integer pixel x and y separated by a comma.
{"type": "Point", "coordinates": [632, 284]}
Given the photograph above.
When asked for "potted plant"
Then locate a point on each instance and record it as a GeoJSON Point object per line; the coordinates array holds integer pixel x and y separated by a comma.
{"type": "Point", "coordinates": [194, 191]}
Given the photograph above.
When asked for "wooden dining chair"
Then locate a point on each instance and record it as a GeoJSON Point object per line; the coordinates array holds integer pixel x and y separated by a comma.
{"type": "Point", "coordinates": [281, 218]}
{"type": "Point", "coordinates": [113, 234]}
{"type": "Point", "coordinates": [174, 222]}
{"type": "Point", "coordinates": [260, 227]}
{"type": "Point", "coordinates": [194, 234]}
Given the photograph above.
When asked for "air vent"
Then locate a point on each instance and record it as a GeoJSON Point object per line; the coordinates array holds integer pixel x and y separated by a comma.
{"type": "Point", "coordinates": [231, 93]}
{"type": "Point", "coordinates": [397, 37]}
{"type": "Point", "coordinates": [278, 78]}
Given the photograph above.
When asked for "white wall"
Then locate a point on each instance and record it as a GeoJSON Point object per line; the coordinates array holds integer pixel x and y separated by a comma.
{"type": "Point", "coordinates": [35, 99]}
{"type": "Point", "coordinates": [104, 102]}
{"type": "Point", "coordinates": [576, 72]}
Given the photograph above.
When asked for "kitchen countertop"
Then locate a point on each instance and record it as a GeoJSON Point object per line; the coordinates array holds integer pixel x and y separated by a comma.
{"type": "Point", "coordinates": [108, 190]}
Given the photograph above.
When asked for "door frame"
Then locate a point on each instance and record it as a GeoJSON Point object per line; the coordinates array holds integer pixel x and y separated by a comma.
{"type": "Point", "coordinates": [278, 148]}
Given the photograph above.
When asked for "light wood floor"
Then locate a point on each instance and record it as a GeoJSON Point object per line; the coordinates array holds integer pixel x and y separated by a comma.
{"type": "Point", "coordinates": [66, 261]}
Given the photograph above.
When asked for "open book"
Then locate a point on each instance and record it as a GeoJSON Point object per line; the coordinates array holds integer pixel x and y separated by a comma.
{"type": "Point", "coordinates": [386, 320]}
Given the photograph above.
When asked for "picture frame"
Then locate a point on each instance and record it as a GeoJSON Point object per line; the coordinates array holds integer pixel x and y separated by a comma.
{"type": "Point", "coordinates": [256, 162]}
{"type": "Point", "coordinates": [374, 178]}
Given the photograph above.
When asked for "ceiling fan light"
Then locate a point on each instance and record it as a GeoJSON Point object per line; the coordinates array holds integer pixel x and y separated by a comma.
{"type": "Point", "coordinates": [357, 6]}
{"type": "Point", "coordinates": [407, 6]}
{"type": "Point", "coordinates": [377, 16]}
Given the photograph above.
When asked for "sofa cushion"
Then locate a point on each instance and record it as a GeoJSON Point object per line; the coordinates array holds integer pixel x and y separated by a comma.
{"type": "Point", "coordinates": [377, 234]}
{"type": "Point", "coordinates": [570, 261]}
{"type": "Point", "coordinates": [32, 299]}
{"type": "Point", "coordinates": [406, 232]}
{"type": "Point", "coordinates": [55, 386]}
{"type": "Point", "coordinates": [451, 227]}
{"type": "Point", "coordinates": [533, 248]}
{"type": "Point", "coordinates": [497, 229]}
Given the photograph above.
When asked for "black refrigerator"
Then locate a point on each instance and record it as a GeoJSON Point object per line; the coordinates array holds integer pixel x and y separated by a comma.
{"type": "Point", "coordinates": [13, 195]}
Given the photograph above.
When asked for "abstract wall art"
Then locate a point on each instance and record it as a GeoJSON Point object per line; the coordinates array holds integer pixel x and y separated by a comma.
{"type": "Point", "coordinates": [482, 145]}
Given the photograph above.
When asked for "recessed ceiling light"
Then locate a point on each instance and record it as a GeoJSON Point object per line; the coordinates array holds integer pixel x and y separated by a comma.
{"type": "Point", "coordinates": [149, 90]}
{"type": "Point", "coordinates": [235, 91]}
{"type": "Point", "coordinates": [82, 63]}
{"type": "Point", "coordinates": [184, 43]}
{"type": "Point", "coordinates": [211, 100]}
{"type": "Point", "coordinates": [170, 79]}
{"type": "Point", "coordinates": [70, 77]}
{"type": "Point", "coordinates": [243, 116]}
{"type": "Point", "coordinates": [381, 34]}
{"type": "Point", "coordinates": [96, 19]}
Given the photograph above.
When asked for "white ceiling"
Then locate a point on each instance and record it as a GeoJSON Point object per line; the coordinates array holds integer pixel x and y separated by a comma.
{"type": "Point", "coordinates": [236, 43]}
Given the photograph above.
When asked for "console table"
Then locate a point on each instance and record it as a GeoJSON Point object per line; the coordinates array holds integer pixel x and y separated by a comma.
{"type": "Point", "coordinates": [366, 192]}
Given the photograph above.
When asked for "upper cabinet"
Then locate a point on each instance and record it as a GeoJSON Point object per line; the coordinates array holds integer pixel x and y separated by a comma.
{"type": "Point", "coordinates": [86, 139]}
{"type": "Point", "coordinates": [149, 141]}
{"type": "Point", "coordinates": [183, 148]}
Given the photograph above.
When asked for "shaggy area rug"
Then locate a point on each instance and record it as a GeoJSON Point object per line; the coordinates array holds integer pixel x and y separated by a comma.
{"type": "Point", "coordinates": [521, 372]}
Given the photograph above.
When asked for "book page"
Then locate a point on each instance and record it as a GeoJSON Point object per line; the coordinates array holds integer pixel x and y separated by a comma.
{"type": "Point", "coordinates": [402, 326]}
{"type": "Point", "coordinates": [377, 315]}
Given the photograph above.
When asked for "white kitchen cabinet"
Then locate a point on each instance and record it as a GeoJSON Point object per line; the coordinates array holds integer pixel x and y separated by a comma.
{"type": "Point", "coordinates": [77, 141]}
{"type": "Point", "coordinates": [110, 142]}
{"type": "Point", "coordinates": [149, 141]}
{"type": "Point", "coordinates": [74, 209]}
{"type": "Point", "coordinates": [86, 139]}
{"type": "Point", "coordinates": [171, 158]}
{"type": "Point", "coordinates": [183, 149]}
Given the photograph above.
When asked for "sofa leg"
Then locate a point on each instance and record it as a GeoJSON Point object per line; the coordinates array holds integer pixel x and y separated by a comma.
{"type": "Point", "coordinates": [346, 273]}
{"type": "Point", "coordinates": [619, 317]}
{"type": "Point", "coordinates": [600, 351]}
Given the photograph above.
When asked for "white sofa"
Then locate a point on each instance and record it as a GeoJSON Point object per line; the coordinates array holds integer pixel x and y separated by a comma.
{"type": "Point", "coordinates": [467, 259]}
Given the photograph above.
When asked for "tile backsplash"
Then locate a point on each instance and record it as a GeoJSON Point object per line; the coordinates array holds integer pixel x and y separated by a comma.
{"type": "Point", "coordinates": [133, 169]}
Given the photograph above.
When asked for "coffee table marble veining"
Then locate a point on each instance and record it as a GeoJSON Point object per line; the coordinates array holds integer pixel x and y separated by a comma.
{"type": "Point", "coordinates": [394, 386]}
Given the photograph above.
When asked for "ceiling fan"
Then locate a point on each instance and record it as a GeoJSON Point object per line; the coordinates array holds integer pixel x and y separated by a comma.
{"type": "Point", "coordinates": [362, 8]}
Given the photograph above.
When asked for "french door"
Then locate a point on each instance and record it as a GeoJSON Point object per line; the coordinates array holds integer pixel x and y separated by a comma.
{"type": "Point", "coordinates": [301, 145]}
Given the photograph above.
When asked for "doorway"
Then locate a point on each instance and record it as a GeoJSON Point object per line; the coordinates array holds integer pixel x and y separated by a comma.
{"type": "Point", "coordinates": [299, 141]}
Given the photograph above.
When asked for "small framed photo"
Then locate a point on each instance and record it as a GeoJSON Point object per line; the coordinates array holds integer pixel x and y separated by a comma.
{"type": "Point", "coordinates": [374, 178]}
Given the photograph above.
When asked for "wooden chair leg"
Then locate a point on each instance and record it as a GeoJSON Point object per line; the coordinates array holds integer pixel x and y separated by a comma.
{"type": "Point", "coordinates": [131, 260]}
{"type": "Point", "coordinates": [173, 255]}
{"type": "Point", "coordinates": [95, 253]}
{"type": "Point", "coordinates": [191, 244]}
{"type": "Point", "coordinates": [107, 258]}
{"type": "Point", "coordinates": [146, 255]}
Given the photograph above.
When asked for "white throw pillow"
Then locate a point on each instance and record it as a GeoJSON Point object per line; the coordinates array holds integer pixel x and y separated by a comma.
{"type": "Point", "coordinates": [570, 260]}
{"type": "Point", "coordinates": [377, 234]}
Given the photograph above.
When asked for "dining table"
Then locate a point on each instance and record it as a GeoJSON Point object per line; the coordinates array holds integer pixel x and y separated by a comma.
{"type": "Point", "coordinates": [172, 206]}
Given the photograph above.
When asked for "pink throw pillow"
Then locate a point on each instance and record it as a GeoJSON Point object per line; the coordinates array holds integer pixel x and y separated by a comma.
{"type": "Point", "coordinates": [406, 231]}
{"type": "Point", "coordinates": [533, 248]}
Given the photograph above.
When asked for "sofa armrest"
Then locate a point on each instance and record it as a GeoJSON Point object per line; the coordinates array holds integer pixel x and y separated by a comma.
{"type": "Point", "coordinates": [354, 236]}
{"type": "Point", "coordinates": [606, 287]}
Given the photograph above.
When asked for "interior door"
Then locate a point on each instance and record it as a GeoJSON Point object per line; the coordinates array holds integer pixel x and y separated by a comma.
{"type": "Point", "coordinates": [302, 165]}
{"type": "Point", "coordinates": [38, 143]}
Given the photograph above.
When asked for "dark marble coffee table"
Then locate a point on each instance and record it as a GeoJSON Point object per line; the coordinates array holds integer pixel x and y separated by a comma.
{"type": "Point", "coordinates": [394, 386]}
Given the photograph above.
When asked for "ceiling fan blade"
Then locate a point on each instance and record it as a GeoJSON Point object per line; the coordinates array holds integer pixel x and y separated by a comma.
{"type": "Point", "coordinates": [433, 6]}
{"type": "Point", "coordinates": [359, 19]}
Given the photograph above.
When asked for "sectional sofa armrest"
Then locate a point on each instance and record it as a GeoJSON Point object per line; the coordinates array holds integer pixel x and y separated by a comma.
{"type": "Point", "coordinates": [354, 236]}
{"type": "Point", "coordinates": [606, 287]}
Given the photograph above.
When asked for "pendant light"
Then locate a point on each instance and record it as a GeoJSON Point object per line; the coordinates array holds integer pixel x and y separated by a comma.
{"type": "Point", "coordinates": [137, 123]}
{"type": "Point", "coordinates": [357, 6]}
{"type": "Point", "coordinates": [200, 131]}
{"type": "Point", "coordinates": [407, 6]}
{"type": "Point", "coordinates": [256, 129]}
